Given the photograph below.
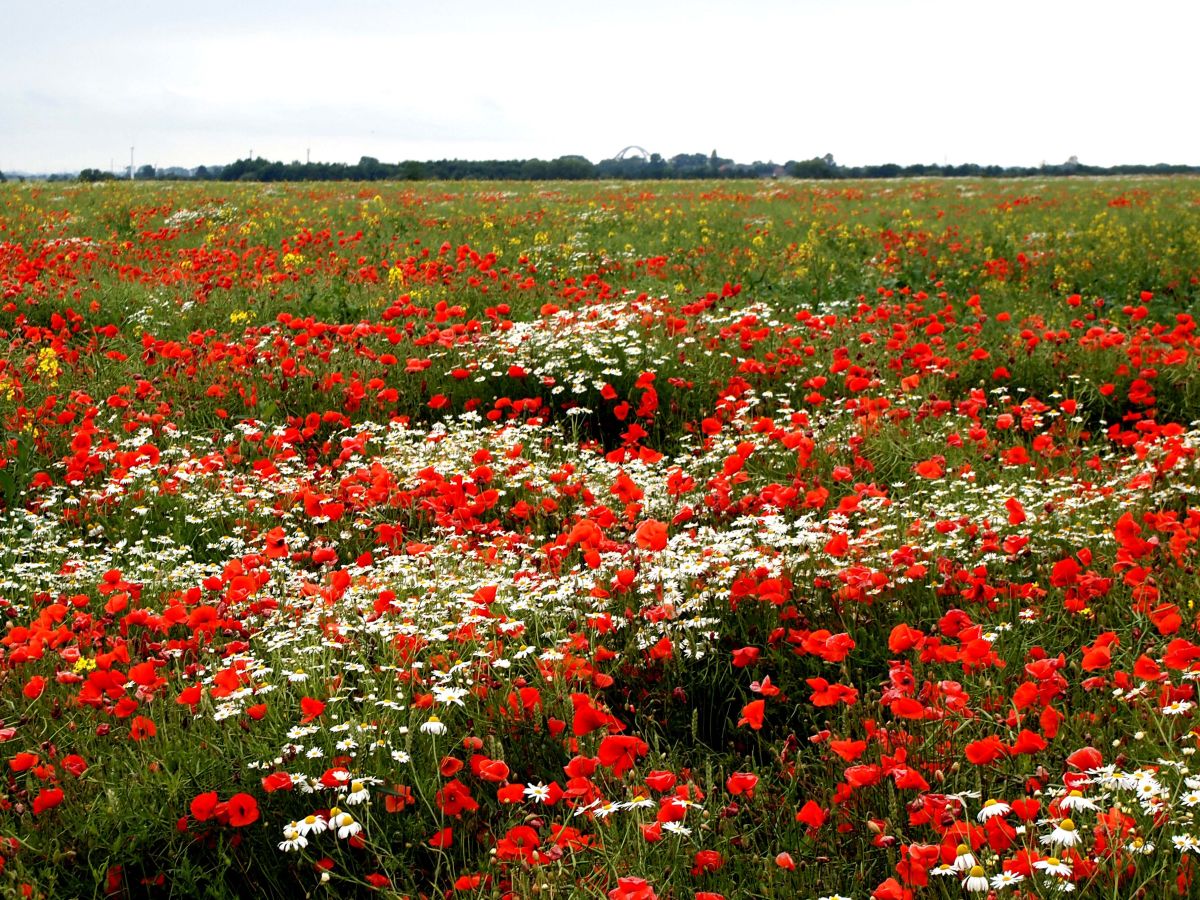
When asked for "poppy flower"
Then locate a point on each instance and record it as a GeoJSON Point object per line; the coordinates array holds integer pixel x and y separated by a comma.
{"type": "Point", "coordinates": [811, 815]}
{"type": "Point", "coordinates": [741, 783]}
{"type": "Point", "coordinates": [34, 687]}
{"type": "Point", "coordinates": [242, 810]}
{"type": "Point", "coordinates": [277, 781]}
{"type": "Point", "coordinates": [311, 707]}
{"type": "Point", "coordinates": [48, 798]}
{"type": "Point", "coordinates": [632, 888]}
{"type": "Point", "coordinates": [620, 752]}
{"type": "Point", "coordinates": [706, 861]}
{"type": "Point", "coordinates": [651, 535]}
{"type": "Point", "coordinates": [203, 806]}
{"type": "Point", "coordinates": [753, 713]}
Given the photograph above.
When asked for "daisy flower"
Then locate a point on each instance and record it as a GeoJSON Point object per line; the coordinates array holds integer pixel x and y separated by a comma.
{"type": "Point", "coordinates": [1075, 800]}
{"type": "Point", "coordinates": [311, 825]}
{"type": "Point", "coordinates": [1185, 842]}
{"type": "Point", "coordinates": [606, 809]}
{"type": "Point", "coordinates": [344, 823]}
{"type": "Point", "coordinates": [1006, 879]}
{"type": "Point", "coordinates": [1140, 846]}
{"type": "Point", "coordinates": [977, 880]}
{"type": "Point", "coordinates": [993, 808]}
{"type": "Point", "coordinates": [1052, 865]}
{"type": "Point", "coordinates": [433, 725]}
{"type": "Point", "coordinates": [292, 838]}
{"type": "Point", "coordinates": [1064, 835]}
{"type": "Point", "coordinates": [964, 859]}
{"type": "Point", "coordinates": [638, 802]}
{"type": "Point", "coordinates": [539, 791]}
{"type": "Point", "coordinates": [358, 793]}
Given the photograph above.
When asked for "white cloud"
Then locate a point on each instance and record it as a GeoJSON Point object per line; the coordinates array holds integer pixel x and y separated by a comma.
{"type": "Point", "coordinates": [868, 80]}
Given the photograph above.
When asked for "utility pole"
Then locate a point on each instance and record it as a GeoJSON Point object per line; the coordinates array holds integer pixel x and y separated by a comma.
{"type": "Point", "coordinates": [308, 156]}
{"type": "Point", "coordinates": [131, 164]}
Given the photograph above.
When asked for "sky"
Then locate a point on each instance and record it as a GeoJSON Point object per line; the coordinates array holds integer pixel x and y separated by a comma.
{"type": "Point", "coordinates": [869, 81]}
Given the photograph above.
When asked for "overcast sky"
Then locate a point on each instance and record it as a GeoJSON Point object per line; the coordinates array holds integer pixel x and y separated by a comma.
{"type": "Point", "coordinates": [870, 81]}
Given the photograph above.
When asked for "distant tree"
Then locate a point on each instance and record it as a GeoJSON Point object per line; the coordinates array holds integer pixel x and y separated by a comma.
{"type": "Point", "coordinates": [369, 169]}
{"type": "Point", "coordinates": [146, 172]}
{"type": "Point", "coordinates": [817, 167]}
{"type": "Point", "coordinates": [90, 175]}
{"type": "Point", "coordinates": [411, 170]}
{"type": "Point", "coordinates": [572, 168]}
{"type": "Point", "coordinates": [2, 178]}
{"type": "Point", "coordinates": [201, 173]}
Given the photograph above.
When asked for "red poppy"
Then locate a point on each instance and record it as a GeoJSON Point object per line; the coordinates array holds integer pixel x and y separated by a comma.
{"type": "Point", "coordinates": [47, 798]}
{"type": "Point", "coordinates": [632, 889]}
{"type": "Point", "coordinates": [620, 752]}
{"type": "Point", "coordinates": [811, 815]}
{"type": "Point", "coordinates": [242, 810]}
{"type": "Point", "coordinates": [34, 687]}
{"type": "Point", "coordinates": [753, 713]}
{"type": "Point", "coordinates": [651, 535]}
{"type": "Point", "coordinates": [455, 798]}
{"type": "Point", "coordinates": [277, 781]}
{"type": "Point", "coordinates": [204, 806]}
{"type": "Point", "coordinates": [311, 707]}
{"type": "Point", "coordinates": [141, 728]}
{"type": "Point", "coordinates": [741, 783]}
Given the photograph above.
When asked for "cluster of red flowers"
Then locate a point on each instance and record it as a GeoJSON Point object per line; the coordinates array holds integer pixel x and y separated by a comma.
{"type": "Point", "coordinates": [807, 540]}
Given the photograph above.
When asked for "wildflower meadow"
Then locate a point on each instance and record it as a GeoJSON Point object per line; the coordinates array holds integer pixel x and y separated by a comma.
{"type": "Point", "coordinates": [685, 540]}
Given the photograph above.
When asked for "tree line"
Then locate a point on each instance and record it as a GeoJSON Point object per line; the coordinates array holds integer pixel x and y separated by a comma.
{"type": "Point", "coordinates": [579, 168]}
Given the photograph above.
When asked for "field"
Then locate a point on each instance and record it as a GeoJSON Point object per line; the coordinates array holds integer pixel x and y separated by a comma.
{"type": "Point", "coordinates": [677, 540]}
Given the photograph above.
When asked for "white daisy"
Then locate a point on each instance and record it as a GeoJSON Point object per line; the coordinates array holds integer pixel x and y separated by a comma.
{"type": "Point", "coordinates": [1075, 800]}
{"type": "Point", "coordinates": [539, 791]}
{"type": "Point", "coordinates": [444, 694]}
{"type": "Point", "coordinates": [358, 793]}
{"type": "Point", "coordinates": [1052, 865]}
{"type": "Point", "coordinates": [344, 823]}
{"type": "Point", "coordinates": [433, 725]}
{"type": "Point", "coordinates": [964, 859]}
{"type": "Point", "coordinates": [292, 838]}
{"type": "Point", "coordinates": [977, 880]}
{"type": "Point", "coordinates": [993, 808]}
{"type": "Point", "coordinates": [1064, 835]}
{"type": "Point", "coordinates": [311, 825]}
{"type": "Point", "coordinates": [638, 802]}
{"type": "Point", "coordinates": [1006, 879]}
{"type": "Point", "coordinates": [1185, 842]}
